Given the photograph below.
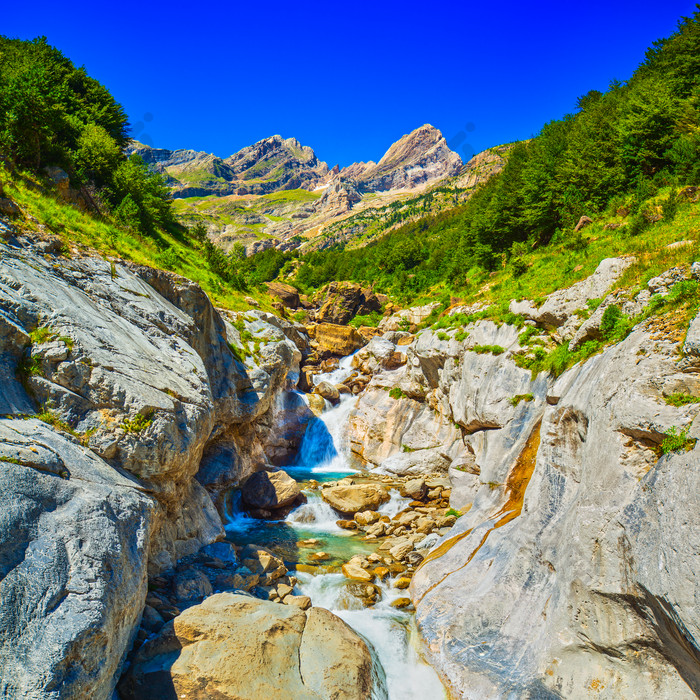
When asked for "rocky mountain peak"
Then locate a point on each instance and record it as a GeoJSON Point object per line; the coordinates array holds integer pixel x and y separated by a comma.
{"type": "Point", "coordinates": [416, 159]}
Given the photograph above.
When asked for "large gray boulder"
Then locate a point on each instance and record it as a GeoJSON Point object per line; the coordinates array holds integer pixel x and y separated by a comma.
{"type": "Point", "coordinates": [74, 538]}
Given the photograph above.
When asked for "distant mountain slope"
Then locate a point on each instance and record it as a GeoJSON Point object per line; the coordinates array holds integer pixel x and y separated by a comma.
{"type": "Point", "coordinates": [278, 193]}
{"type": "Point", "coordinates": [269, 165]}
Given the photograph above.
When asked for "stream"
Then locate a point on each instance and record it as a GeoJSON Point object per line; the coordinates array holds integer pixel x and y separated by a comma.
{"type": "Point", "coordinates": [322, 457]}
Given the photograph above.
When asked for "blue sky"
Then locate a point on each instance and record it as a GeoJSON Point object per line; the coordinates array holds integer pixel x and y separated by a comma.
{"type": "Point", "coordinates": [347, 79]}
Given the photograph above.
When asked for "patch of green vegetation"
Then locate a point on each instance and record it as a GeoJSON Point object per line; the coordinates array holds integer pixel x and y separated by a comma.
{"type": "Point", "coordinates": [515, 400]}
{"type": "Point", "coordinates": [676, 440]}
{"type": "Point", "coordinates": [41, 334]}
{"type": "Point", "coordinates": [396, 393]}
{"type": "Point", "coordinates": [138, 423]}
{"type": "Point", "coordinates": [370, 320]}
{"type": "Point", "coordinates": [10, 460]}
{"type": "Point", "coordinates": [406, 448]}
{"type": "Point", "coordinates": [238, 353]}
{"type": "Point", "coordinates": [455, 512]}
{"type": "Point", "coordinates": [679, 399]}
{"type": "Point", "coordinates": [461, 336]}
{"type": "Point", "coordinates": [442, 335]}
{"type": "Point", "coordinates": [485, 349]}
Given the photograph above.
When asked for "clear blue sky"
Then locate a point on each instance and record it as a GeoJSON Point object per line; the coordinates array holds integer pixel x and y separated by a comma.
{"type": "Point", "coordinates": [347, 79]}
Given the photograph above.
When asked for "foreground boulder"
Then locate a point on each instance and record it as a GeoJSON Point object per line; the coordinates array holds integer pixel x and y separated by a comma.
{"type": "Point", "coordinates": [353, 498]}
{"type": "Point", "coordinates": [240, 648]}
{"type": "Point", "coordinates": [270, 490]}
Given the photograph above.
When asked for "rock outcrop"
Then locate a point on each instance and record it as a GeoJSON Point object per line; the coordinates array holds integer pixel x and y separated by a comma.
{"type": "Point", "coordinates": [121, 400]}
{"type": "Point", "coordinates": [237, 648]}
{"type": "Point", "coordinates": [416, 159]}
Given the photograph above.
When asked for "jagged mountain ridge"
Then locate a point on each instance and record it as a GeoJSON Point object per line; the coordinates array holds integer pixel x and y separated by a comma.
{"type": "Point", "coordinates": [278, 193]}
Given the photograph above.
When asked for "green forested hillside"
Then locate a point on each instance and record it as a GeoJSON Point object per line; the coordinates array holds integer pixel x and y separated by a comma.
{"type": "Point", "coordinates": [621, 156]}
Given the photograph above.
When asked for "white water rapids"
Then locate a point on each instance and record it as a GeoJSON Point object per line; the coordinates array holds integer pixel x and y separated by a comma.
{"type": "Point", "coordinates": [391, 632]}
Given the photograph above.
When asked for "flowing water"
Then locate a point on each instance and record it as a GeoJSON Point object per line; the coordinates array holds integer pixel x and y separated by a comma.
{"type": "Point", "coordinates": [392, 632]}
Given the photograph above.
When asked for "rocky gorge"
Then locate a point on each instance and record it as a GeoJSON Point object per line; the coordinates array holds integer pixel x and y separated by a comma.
{"type": "Point", "coordinates": [201, 503]}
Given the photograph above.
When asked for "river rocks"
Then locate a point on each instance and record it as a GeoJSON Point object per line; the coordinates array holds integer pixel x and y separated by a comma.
{"type": "Point", "coordinates": [327, 391]}
{"type": "Point", "coordinates": [240, 648]}
{"type": "Point", "coordinates": [270, 490]}
{"type": "Point", "coordinates": [355, 498]}
{"type": "Point", "coordinates": [354, 571]}
{"type": "Point", "coordinates": [191, 585]}
{"type": "Point", "coordinates": [334, 340]}
{"type": "Point", "coordinates": [367, 517]}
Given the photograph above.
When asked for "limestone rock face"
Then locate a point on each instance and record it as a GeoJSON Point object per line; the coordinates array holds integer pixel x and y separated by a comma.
{"type": "Point", "coordinates": [74, 539]}
{"type": "Point", "coordinates": [353, 498]}
{"type": "Point", "coordinates": [569, 575]}
{"type": "Point", "coordinates": [239, 648]}
{"type": "Point", "coordinates": [133, 372]}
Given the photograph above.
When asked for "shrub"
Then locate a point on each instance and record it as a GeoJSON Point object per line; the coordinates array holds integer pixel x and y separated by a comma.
{"type": "Point", "coordinates": [679, 399]}
{"type": "Point", "coordinates": [676, 441]}
{"type": "Point", "coordinates": [396, 393]}
{"type": "Point", "coordinates": [138, 423]}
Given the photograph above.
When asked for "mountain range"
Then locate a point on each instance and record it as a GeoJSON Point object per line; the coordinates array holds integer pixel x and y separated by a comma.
{"type": "Point", "coordinates": [278, 193]}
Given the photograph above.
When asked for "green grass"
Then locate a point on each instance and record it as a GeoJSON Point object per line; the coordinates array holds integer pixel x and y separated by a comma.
{"type": "Point", "coordinates": [515, 400]}
{"type": "Point", "coordinates": [679, 399]}
{"type": "Point", "coordinates": [396, 393]}
{"type": "Point", "coordinates": [485, 349]}
{"type": "Point", "coordinates": [455, 512]}
{"type": "Point", "coordinates": [676, 440]}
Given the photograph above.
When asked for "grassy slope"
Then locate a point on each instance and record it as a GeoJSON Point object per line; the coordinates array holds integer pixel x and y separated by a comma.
{"type": "Point", "coordinates": [103, 237]}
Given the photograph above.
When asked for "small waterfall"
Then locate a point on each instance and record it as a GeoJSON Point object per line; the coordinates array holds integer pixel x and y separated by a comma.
{"type": "Point", "coordinates": [323, 447]}
{"type": "Point", "coordinates": [391, 632]}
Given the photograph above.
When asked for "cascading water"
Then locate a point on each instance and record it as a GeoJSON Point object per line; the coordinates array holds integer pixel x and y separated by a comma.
{"type": "Point", "coordinates": [322, 456]}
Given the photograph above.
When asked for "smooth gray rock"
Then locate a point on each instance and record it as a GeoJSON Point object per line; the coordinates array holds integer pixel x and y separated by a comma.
{"type": "Point", "coordinates": [73, 556]}
{"type": "Point", "coordinates": [589, 590]}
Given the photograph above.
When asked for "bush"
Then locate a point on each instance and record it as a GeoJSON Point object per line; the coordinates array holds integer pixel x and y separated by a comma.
{"type": "Point", "coordinates": [396, 393]}
{"type": "Point", "coordinates": [676, 441]}
{"type": "Point", "coordinates": [484, 349]}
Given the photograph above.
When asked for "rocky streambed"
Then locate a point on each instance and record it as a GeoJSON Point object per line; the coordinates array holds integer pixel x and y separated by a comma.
{"type": "Point", "coordinates": [351, 548]}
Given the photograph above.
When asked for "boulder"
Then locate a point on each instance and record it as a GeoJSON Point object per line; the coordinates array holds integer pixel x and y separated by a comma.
{"type": "Point", "coordinates": [415, 489]}
{"type": "Point", "coordinates": [355, 572]}
{"type": "Point", "coordinates": [234, 647]}
{"type": "Point", "coordinates": [327, 391]}
{"type": "Point", "coordinates": [336, 340]}
{"type": "Point", "coordinates": [339, 302]}
{"type": "Point", "coordinates": [287, 294]}
{"type": "Point", "coordinates": [270, 490]}
{"type": "Point", "coordinates": [191, 585]}
{"type": "Point", "coordinates": [353, 498]}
